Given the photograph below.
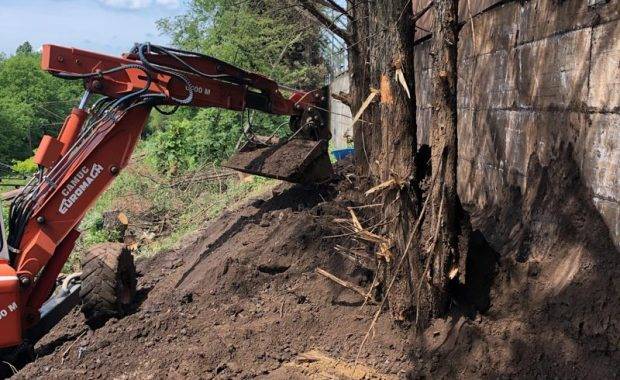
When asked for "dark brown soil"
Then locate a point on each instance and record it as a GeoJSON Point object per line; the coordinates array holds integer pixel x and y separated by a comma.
{"type": "Point", "coordinates": [554, 289]}
{"type": "Point", "coordinates": [240, 298]}
{"type": "Point", "coordinates": [286, 161]}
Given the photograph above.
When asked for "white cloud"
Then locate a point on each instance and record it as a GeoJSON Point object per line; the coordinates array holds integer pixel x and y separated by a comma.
{"type": "Point", "coordinates": [126, 4]}
{"type": "Point", "coordinates": [140, 4]}
{"type": "Point", "coordinates": [169, 3]}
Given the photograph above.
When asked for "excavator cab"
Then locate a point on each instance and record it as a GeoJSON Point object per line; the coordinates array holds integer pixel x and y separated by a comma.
{"type": "Point", "coordinates": [9, 294]}
{"type": "Point", "coordinates": [300, 158]}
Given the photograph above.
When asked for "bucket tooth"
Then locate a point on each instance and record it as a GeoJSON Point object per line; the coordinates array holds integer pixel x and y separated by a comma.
{"type": "Point", "coordinates": [296, 160]}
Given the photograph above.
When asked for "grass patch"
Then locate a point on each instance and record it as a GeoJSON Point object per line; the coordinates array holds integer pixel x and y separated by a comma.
{"type": "Point", "coordinates": [209, 205]}
{"type": "Point", "coordinates": [162, 209]}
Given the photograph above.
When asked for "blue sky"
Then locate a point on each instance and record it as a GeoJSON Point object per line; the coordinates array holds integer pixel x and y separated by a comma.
{"type": "Point", "coordinates": [106, 26]}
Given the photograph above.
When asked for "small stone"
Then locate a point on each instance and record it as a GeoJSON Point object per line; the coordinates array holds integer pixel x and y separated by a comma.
{"type": "Point", "coordinates": [220, 368]}
{"type": "Point", "coordinates": [533, 269]}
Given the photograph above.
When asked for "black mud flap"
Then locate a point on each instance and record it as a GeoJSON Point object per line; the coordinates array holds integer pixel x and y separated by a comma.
{"type": "Point", "coordinates": [296, 160]}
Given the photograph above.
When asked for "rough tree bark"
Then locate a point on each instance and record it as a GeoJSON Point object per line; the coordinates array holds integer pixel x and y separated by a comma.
{"type": "Point", "coordinates": [381, 37]}
{"type": "Point", "coordinates": [448, 221]}
{"type": "Point", "coordinates": [392, 140]}
{"type": "Point", "coordinates": [358, 55]}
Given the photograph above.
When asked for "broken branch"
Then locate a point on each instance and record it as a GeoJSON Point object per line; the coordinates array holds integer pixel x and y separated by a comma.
{"type": "Point", "coordinates": [365, 105]}
{"type": "Point", "coordinates": [10, 195]}
{"type": "Point", "coordinates": [381, 186]}
{"type": "Point", "coordinates": [355, 257]}
{"type": "Point", "coordinates": [421, 13]}
{"type": "Point", "coordinates": [331, 4]}
{"type": "Point", "coordinates": [319, 16]}
{"type": "Point", "coordinates": [366, 206]}
{"type": "Point", "coordinates": [357, 289]}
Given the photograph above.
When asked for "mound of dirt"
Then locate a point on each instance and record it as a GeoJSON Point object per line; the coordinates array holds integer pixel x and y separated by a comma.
{"type": "Point", "coordinates": [555, 290]}
{"type": "Point", "coordinates": [239, 299]}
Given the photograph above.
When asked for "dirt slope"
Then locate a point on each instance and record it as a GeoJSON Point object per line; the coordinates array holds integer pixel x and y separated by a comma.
{"type": "Point", "coordinates": [240, 299]}
{"type": "Point", "coordinates": [555, 292]}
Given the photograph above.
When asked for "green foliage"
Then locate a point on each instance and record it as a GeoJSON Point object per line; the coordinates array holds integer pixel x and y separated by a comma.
{"type": "Point", "coordinates": [161, 200]}
{"type": "Point", "coordinates": [205, 203]}
{"type": "Point", "coordinates": [32, 103]}
{"type": "Point", "coordinates": [27, 166]}
{"type": "Point", "coordinates": [210, 136]}
{"type": "Point", "coordinates": [261, 36]}
{"type": "Point", "coordinates": [24, 48]}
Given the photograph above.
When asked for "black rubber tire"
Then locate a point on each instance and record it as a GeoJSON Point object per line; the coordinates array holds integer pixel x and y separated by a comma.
{"type": "Point", "coordinates": [109, 283]}
{"type": "Point", "coordinates": [15, 358]}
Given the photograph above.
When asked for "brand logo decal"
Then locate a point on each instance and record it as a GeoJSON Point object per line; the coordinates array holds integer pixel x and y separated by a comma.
{"type": "Point", "coordinates": [9, 309]}
{"type": "Point", "coordinates": [77, 186]}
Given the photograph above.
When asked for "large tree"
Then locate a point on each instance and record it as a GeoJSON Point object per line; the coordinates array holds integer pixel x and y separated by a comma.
{"type": "Point", "coordinates": [258, 35]}
{"type": "Point", "coordinates": [449, 250]}
{"type": "Point", "coordinates": [426, 226]}
{"type": "Point", "coordinates": [32, 103]}
{"type": "Point", "coordinates": [263, 36]}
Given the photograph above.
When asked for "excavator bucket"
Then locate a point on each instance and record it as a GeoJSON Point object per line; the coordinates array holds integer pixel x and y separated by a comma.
{"type": "Point", "coordinates": [296, 160]}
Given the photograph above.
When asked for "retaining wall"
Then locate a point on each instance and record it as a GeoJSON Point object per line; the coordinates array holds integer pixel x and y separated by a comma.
{"type": "Point", "coordinates": [533, 75]}
{"type": "Point", "coordinates": [340, 113]}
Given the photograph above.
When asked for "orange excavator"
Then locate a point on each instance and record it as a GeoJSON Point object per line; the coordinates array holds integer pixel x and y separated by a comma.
{"type": "Point", "coordinates": [92, 148]}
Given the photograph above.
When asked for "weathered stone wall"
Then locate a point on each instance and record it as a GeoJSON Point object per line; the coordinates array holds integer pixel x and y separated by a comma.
{"type": "Point", "coordinates": [534, 75]}
{"type": "Point", "coordinates": [340, 116]}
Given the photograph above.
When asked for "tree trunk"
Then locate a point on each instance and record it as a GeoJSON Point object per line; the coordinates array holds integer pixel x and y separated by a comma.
{"type": "Point", "coordinates": [360, 78]}
{"type": "Point", "coordinates": [386, 139]}
{"type": "Point", "coordinates": [394, 141]}
{"type": "Point", "coordinates": [380, 41]}
{"type": "Point", "coordinates": [448, 223]}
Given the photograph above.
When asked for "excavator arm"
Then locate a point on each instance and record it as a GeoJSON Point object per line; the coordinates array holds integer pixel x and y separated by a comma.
{"type": "Point", "coordinates": [174, 77]}
{"type": "Point", "coordinates": [96, 143]}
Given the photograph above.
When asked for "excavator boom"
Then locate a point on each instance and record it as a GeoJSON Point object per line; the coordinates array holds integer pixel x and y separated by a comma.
{"type": "Point", "coordinates": [96, 143]}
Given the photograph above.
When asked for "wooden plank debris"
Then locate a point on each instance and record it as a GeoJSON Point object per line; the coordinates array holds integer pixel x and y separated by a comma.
{"type": "Point", "coordinates": [357, 289]}
{"type": "Point", "coordinates": [10, 195]}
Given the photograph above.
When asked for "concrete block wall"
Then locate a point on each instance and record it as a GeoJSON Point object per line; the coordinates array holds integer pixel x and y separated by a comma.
{"type": "Point", "coordinates": [340, 116]}
{"type": "Point", "coordinates": [534, 75]}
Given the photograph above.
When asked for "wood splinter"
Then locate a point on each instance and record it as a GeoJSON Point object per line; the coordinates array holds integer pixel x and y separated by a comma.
{"type": "Point", "coordinates": [357, 289]}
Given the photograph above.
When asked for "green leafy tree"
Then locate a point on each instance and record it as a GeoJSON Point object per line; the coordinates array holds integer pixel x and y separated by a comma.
{"type": "Point", "coordinates": [32, 103]}
{"type": "Point", "coordinates": [263, 36]}
{"type": "Point", "coordinates": [26, 167]}
{"type": "Point", "coordinates": [210, 136]}
{"type": "Point", "coordinates": [24, 48]}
